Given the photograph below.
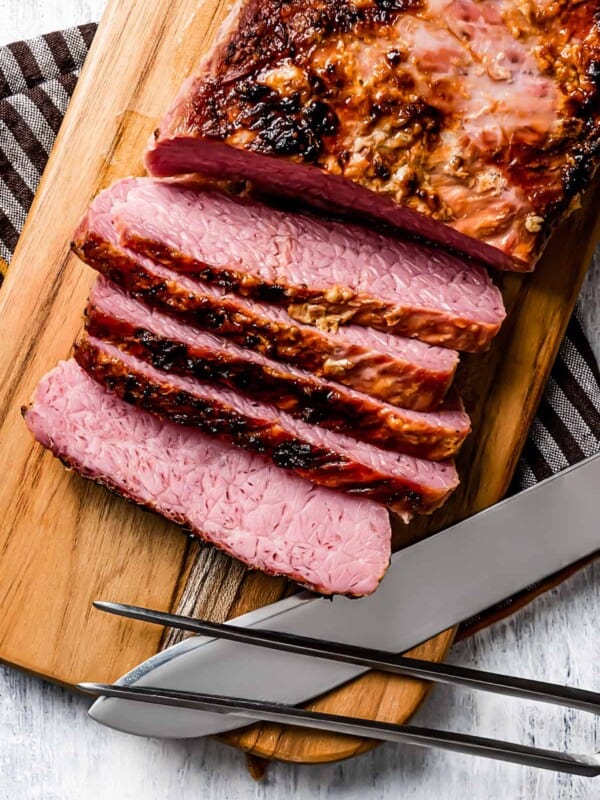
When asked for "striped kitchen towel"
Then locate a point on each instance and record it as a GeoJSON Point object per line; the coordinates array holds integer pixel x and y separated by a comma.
{"type": "Point", "coordinates": [37, 79]}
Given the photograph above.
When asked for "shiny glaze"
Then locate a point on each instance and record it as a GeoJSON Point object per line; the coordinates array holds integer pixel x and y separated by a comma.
{"type": "Point", "coordinates": [482, 115]}
{"type": "Point", "coordinates": [315, 462]}
{"type": "Point", "coordinates": [382, 374]}
{"type": "Point", "coordinates": [299, 393]}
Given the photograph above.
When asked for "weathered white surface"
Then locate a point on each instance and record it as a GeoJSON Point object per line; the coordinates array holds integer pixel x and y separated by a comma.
{"type": "Point", "coordinates": [51, 751]}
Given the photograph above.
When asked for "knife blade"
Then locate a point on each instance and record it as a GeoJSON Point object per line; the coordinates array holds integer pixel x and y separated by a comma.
{"type": "Point", "coordinates": [430, 586]}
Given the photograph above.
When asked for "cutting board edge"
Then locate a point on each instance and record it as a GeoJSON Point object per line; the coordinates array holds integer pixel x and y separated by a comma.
{"type": "Point", "coordinates": [52, 169]}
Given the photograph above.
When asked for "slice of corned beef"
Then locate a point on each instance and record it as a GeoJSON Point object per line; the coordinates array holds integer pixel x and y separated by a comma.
{"type": "Point", "coordinates": [324, 272]}
{"type": "Point", "coordinates": [172, 346]}
{"type": "Point", "coordinates": [178, 149]}
{"type": "Point", "coordinates": [407, 484]}
{"type": "Point", "coordinates": [402, 371]}
{"type": "Point", "coordinates": [240, 502]}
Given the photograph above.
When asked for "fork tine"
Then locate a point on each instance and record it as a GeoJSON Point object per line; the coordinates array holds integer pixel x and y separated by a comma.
{"type": "Point", "coordinates": [370, 659]}
{"type": "Point", "coordinates": [588, 766]}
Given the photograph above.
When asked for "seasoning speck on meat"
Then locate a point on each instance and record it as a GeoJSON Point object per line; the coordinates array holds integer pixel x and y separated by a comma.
{"type": "Point", "coordinates": [471, 122]}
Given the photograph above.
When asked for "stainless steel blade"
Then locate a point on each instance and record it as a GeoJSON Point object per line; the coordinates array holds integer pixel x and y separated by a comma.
{"type": "Point", "coordinates": [430, 586]}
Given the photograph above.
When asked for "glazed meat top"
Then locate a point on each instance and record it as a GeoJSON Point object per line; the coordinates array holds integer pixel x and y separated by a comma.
{"type": "Point", "coordinates": [482, 114]}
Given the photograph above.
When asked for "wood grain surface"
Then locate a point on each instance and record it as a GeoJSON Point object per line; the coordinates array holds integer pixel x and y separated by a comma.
{"type": "Point", "coordinates": [65, 542]}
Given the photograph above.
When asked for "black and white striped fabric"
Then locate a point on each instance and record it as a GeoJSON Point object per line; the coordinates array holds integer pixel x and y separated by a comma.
{"type": "Point", "coordinates": [37, 79]}
{"type": "Point", "coordinates": [567, 425]}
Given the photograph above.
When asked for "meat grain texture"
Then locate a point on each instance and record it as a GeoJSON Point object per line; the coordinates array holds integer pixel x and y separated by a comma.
{"type": "Point", "coordinates": [172, 346]}
{"type": "Point", "coordinates": [474, 124]}
{"type": "Point", "coordinates": [239, 502]}
{"type": "Point", "coordinates": [324, 272]}
{"type": "Point", "coordinates": [407, 484]}
{"type": "Point", "coordinates": [400, 370]}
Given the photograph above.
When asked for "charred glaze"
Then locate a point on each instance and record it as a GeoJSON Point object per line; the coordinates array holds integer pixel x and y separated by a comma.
{"type": "Point", "coordinates": [401, 383]}
{"type": "Point", "coordinates": [380, 93]}
{"type": "Point", "coordinates": [291, 124]}
{"type": "Point", "coordinates": [300, 394]}
{"type": "Point", "coordinates": [428, 320]}
{"type": "Point", "coordinates": [316, 463]}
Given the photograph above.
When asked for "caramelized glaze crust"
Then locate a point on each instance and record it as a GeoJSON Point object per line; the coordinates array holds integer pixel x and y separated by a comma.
{"type": "Point", "coordinates": [406, 484]}
{"type": "Point", "coordinates": [482, 115]}
{"type": "Point", "coordinates": [435, 435]}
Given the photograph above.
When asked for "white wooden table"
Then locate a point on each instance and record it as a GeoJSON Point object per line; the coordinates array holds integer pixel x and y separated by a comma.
{"type": "Point", "coordinates": [49, 750]}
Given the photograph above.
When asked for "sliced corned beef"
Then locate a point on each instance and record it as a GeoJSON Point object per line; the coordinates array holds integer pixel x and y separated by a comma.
{"type": "Point", "coordinates": [240, 502]}
{"type": "Point", "coordinates": [324, 272]}
{"type": "Point", "coordinates": [407, 484]}
{"type": "Point", "coordinates": [172, 346]}
{"type": "Point", "coordinates": [402, 371]}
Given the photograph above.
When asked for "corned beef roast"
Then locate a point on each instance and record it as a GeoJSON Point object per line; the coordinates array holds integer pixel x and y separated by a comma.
{"type": "Point", "coordinates": [272, 380]}
{"type": "Point", "coordinates": [240, 502]}
{"type": "Point", "coordinates": [172, 346]}
{"type": "Point", "coordinates": [400, 370]}
{"type": "Point", "coordinates": [324, 272]}
{"type": "Point", "coordinates": [407, 484]}
{"type": "Point", "coordinates": [473, 124]}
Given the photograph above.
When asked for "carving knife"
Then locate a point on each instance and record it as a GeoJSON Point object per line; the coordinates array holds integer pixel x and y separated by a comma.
{"type": "Point", "coordinates": [430, 586]}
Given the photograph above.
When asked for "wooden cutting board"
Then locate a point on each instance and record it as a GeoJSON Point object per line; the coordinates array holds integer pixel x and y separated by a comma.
{"type": "Point", "coordinates": [65, 542]}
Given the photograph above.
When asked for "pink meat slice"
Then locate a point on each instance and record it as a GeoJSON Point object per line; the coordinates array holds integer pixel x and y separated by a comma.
{"type": "Point", "coordinates": [407, 484]}
{"type": "Point", "coordinates": [173, 346]}
{"type": "Point", "coordinates": [325, 271]}
{"type": "Point", "coordinates": [240, 502]}
{"type": "Point", "coordinates": [398, 369]}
